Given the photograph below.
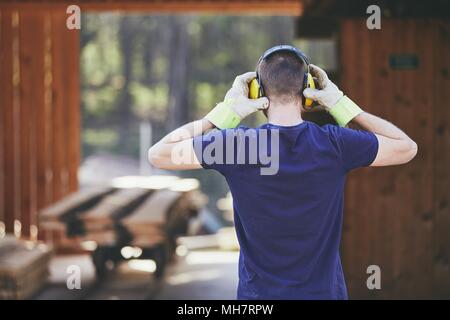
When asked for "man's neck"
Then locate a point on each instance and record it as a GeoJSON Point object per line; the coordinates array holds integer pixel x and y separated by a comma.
{"type": "Point", "coordinates": [284, 114]}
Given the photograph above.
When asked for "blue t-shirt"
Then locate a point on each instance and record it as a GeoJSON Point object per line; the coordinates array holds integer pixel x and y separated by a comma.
{"type": "Point", "coordinates": [289, 223]}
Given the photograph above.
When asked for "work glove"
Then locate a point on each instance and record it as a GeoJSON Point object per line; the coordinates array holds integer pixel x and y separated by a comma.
{"type": "Point", "coordinates": [236, 104]}
{"type": "Point", "coordinates": [341, 108]}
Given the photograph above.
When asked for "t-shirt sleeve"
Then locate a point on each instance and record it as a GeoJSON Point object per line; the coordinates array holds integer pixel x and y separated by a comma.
{"type": "Point", "coordinates": [210, 150]}
{"type": "Point", "coordinates": [357, 148]}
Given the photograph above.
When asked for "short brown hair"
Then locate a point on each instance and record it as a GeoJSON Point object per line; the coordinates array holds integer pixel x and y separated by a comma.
{"type": "Point", "coordinates": [281, 75]}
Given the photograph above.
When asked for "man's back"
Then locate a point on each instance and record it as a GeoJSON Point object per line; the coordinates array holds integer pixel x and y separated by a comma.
{"type": "Point", "coordinates": [288, 210]}
{"type": "Point", "coordinates": [289, 223]}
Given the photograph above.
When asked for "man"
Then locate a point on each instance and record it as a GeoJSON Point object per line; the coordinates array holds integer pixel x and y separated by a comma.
{"type": "Point", "coordinates": [288, 222]}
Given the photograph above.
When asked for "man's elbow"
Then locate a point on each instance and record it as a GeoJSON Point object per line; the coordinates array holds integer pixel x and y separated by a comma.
{"type": "Point", "coordinates": [412, 150]}
{"type": "Point", "coordinates": [155, 158]}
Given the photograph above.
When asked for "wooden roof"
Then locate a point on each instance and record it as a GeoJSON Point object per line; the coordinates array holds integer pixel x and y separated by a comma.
{"type": "Point", "coordinates": [272, 7]}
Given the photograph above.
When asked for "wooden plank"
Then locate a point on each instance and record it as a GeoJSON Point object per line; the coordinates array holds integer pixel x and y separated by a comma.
{"type": "Point", "coordinates": [2, 141]}
{"type": "Point", "coordinates": [75, 202]}
{"type": "Point", "coordinates": [6, 77]}
{"type": "Point", "coordinates": [16, 125]}
{"type": "Point", "coordinates": [145, 241]}
{"type": "Point", "coordinates": [59, 171]}
{"type": "Point", "coordinates": [441, 131]}
{"type": "Point", "coordinates": [38, 101]}
{"type": "Point", "coordinates": [66, 82]}
{"type": "Point", "coordinates": [23, 268]}
{"type": "Point", "coordinates": [44, 122]}
{"type": "Point", "coordinates": [154, 210]}
{"type": "Point", "coordinates": [113, 207]}
{"type": "Point", "coordinates": [25, 52]}
{"type": "Point", "coordinates": [28, 25]}
{"type": "Point", "coordinates": [102, 237]}
{"type": "Point", "coordinates": [73, 109]}
{"type": "Point", "coordinates": [165, 210]}
{"type": "Point", "coordinates": [22, 260]}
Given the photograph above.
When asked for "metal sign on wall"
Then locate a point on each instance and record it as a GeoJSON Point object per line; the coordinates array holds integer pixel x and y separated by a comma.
{"type": "Point", "coordinates": [403, 61]}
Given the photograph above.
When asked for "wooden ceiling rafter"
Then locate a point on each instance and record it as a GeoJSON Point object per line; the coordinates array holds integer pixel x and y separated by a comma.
{"type": "Point", "coordinates": [249, 7]}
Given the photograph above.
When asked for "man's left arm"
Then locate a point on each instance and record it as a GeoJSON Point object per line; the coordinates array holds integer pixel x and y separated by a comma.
{"type": "Point", "coordinates": [176, 151]}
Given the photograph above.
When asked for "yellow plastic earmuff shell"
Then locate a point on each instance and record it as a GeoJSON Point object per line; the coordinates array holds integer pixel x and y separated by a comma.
{"type": "Point", "coordinates": [254, 89]}
{"type": "Point", "coordinates": [312, 85]}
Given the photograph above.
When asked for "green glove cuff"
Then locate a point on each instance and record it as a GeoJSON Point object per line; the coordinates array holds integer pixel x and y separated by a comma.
{"type": "Point", "coordinates": [344, 111]}
{"type": "Point", "coordinates": [223, 116]}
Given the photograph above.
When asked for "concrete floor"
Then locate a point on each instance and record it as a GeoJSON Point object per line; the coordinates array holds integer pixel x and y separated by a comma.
{"type": "Point", "coordinates": [198, 275]}
{"type": "Point", "coordinates": [204, 275]}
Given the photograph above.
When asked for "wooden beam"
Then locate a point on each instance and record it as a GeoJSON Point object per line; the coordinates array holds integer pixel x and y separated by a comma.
{"type": "Point", "coordinates": [2, 140]}
{"type": "Point", "coordinates": [249, 7]}
{"type": "Point", "coordinates": [72, 110]}
{"type": "Point", "coordinates": [10, 139]}
{"type": "Point", "coordinates": [59, 171]}
{"type": "Point", "coordinates": [26, 106]}
{"type": "Point", "coordinates": [44, 120]}
{"type": "Point", "coordinates": [31, 47]}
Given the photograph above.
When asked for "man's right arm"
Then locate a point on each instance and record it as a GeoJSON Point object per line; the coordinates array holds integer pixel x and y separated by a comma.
{"type": "Point", "coordinates": [394, 146]}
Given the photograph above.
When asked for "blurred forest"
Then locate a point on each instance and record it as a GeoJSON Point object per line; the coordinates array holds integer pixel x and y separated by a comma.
{"type": "Point", "coordinates": [166, 71]}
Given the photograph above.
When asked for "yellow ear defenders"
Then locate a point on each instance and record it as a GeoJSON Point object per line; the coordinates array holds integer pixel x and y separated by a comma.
{"type": "Point", "coordinates": [256, 89]}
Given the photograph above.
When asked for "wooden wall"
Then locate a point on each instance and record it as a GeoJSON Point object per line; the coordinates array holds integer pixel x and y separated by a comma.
{"type": "Point", "coordinates": [39, 113]}
{"type": "Point", "coordinates": [399, 217]}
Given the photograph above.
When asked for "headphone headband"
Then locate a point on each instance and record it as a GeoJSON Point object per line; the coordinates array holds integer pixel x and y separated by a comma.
{"type": "Point", "coordinates": [288, 48]}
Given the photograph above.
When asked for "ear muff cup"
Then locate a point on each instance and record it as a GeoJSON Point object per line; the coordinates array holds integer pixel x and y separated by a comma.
{"type": "Point", "coordinates": [309, 84]}
{"type": "Point", "coordinates": [254, 90]}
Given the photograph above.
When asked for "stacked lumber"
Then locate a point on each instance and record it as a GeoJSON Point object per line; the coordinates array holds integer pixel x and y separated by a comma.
{"type": "Point", "coordinates": [164, 214]}
{"type": "Point", "coordinates": [100, 222]}
{"type": "Point", "coordinates": [137, 210]}
{"type": "Point", "coordinates": [147, 223]}
{"type": "Point", "coordinates": [63, 214]}
{"type": "Point", "coordinates": [59, 223]}
{"type": "Point", "coordinates": [23, 268]}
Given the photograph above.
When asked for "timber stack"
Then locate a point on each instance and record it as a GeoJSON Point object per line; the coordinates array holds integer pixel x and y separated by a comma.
{"type": "Point", "coordinates": [165, 214]}
{"type": "Point", "coordinates": [137, 211]}
{"type": "Point", "coordinates": [101, 223]}
{"type": "Point", "coordinates": [23, 267]}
